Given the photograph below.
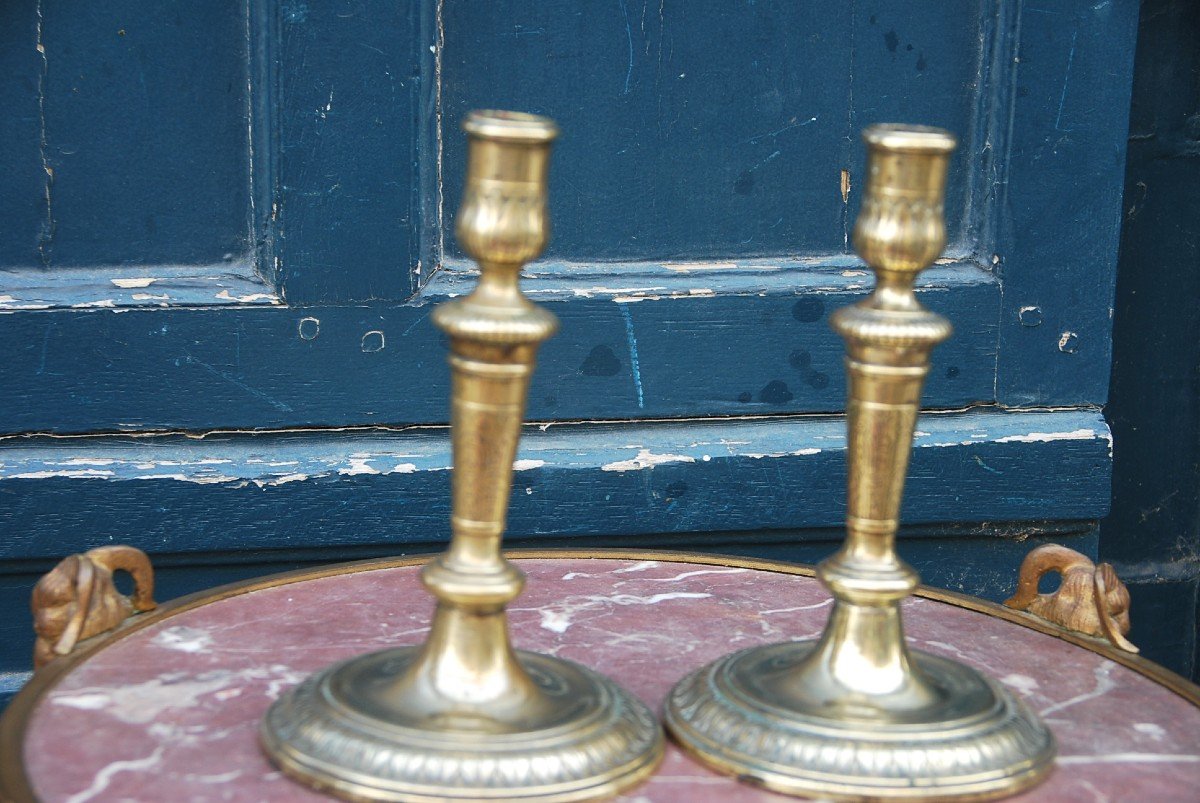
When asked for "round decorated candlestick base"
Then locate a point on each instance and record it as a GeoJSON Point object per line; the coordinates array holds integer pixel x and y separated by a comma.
{"type": "Point", "coordinates": [746, 715]}
{"type": "Point", "coordinates": [856, 714]}
{"type": "Point", "coordinates": [574, 736]}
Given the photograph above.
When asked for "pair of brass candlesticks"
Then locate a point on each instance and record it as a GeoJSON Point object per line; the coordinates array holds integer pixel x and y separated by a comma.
{"type": "Point", "coordinates": [855, 715]}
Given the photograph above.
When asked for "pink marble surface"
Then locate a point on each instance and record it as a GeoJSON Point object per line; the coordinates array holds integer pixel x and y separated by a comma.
{"type": "Point", "coordinates": [171, 712]}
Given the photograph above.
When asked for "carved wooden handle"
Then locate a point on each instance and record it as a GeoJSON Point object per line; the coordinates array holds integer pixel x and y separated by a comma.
{"type": "Point", "coordinates": [77, 599]}
{"type": "Point", "coordinates": [1091, 599]}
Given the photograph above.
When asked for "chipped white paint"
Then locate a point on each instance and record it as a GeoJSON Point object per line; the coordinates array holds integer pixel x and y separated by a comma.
{"type": "Point", "coordinates": [797, 453]}
{"type": "Point", "coordinates": [184, 639]}
{"type": "Point", "coordinates": [526, 465]}
{"type": "Point", "coordinates": [634, 299]}
{"type": "Point", "coordinates": [608, 291]}
{"type": "Point", "coordinates": [199, 479]}
{"type": "Point", "coordinates": [150, 297]}
{"type": "Point", "coordinates": [358, 465]}
{"type": "Point", "coordinates": [646, 459]}
{"type": "Point", "coordinates": [1047, 437]}
{"type": "Point", "coordinates": [129, 284]}
{"type": "Point", "coordinates": [281, 480]}
{"type": "Point", "coordinates": [78, 472]}
{"type": "Point", "coordinates": [404, 468]}
{"type": "Point", "coordinates": [103, 302]}
{"type": "Point", "coordinates": [688, 267]}
{"type": "Point", "coordinates": [250, 298]}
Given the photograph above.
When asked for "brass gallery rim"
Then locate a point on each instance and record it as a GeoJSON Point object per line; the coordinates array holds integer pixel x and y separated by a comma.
{"type": "Point", "coordinates": [609, 742]}
{"type": "Point", "coordinates": [976, 743]}
{"type": "Point", "coordinates": [15, 784]}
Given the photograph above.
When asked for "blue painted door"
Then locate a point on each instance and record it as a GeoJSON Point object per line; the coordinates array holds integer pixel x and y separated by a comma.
{"type": "Point", "coordinates": [226, 225]}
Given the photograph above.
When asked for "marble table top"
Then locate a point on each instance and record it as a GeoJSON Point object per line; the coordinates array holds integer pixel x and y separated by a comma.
{"type": "Point", "coordinates": [170, 710]}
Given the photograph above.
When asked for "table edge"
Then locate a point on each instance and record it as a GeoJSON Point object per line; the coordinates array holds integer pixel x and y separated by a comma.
{"type": "Point", "coordinates": [15, 785]}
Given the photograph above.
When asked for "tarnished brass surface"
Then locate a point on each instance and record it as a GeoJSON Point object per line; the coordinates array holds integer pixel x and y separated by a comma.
{"type": "Point", "coordinates": [857, 715]}
{"type": "Point", "coordinates": [465, 716]}
{"type": "Point", "coordinates": [1090, 599]}
{"type": "Point", "coordinates": [77, 599]}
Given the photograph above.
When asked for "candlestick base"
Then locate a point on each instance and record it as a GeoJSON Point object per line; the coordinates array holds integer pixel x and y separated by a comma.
{"type": "Point", "coordinates": [746, 715]}
{"type": "Point", "coordinates": [346, 731]}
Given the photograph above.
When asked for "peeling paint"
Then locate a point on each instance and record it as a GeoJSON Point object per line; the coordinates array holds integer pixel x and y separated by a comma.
{"type": "Point", "coordinates": [224, 295]}
{"type": "Point", "coordinates": [796, 453]}
{"type": "Point", "coordinates": [103, 302]}
{"type": "Point", "coordinates": [646, 459]}
{"type": "Point", "coordinates": [45, 475]}
{"type": "Point", "coordinates": [1047, 437]}
{"type": "Point", "coordinates": [132, 283]}
{"type": "Point", "coordinates": [524, 465]}
{"type": "Point", "coordinates": [358, 465]}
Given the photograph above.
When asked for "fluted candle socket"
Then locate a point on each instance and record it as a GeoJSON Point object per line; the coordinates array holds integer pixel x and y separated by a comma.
{"type": "Point", "coordinates": [465, 716]}
{"type": "Point", "coordinates": [856, 714]}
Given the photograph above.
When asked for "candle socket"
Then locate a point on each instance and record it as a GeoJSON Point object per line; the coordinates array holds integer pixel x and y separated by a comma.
{"type": "Point", "coordinates": [857, 714]}
{"type": "Point", "coordinates": [465, 716]}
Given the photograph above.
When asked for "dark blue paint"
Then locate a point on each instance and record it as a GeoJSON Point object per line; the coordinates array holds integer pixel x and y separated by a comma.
{"type": "Point", "coordinates": [22, 201]}
{"type": "Point", "coordinates": [1060, 198]}
{"type": "Point", "coordinates": [162, 369]}
{"type": "Point", "coordinates": [1153, 533]}
{"type": "Point", "coordinates": [138, 132]}
{"type": "Point", "coordinates": [703, 130]}
{"type": "Point", "coordinates": [230, 492]}
{"type": "Point", "coordinates": [348, 141]}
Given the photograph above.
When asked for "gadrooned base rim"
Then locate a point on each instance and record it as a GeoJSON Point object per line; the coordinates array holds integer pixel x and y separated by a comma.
{"type": "Point", "coordinates": [998, 752]}
{"type": "Point", "coordinates": [614, 744]}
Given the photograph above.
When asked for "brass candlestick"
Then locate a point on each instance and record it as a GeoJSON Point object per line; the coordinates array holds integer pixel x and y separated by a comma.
{"type": "Point", "coordinates": [857, 714]}
{"type": "Point", "coordinates": [465, 716]}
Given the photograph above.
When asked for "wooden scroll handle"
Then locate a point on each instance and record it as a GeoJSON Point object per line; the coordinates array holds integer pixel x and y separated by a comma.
{"type": "Point", "coordinates": [77, 599]}
{"type": "Point", "coordinates": [1091, 599]}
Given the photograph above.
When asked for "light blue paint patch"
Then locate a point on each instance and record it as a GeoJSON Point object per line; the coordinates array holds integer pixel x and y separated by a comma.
{"type": "Point", "coordinates": [633, 356]}
{"type": "Point", "coordinates": [11, 683]}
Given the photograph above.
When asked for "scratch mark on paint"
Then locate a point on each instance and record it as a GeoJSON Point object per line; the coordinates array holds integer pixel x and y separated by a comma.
{"type": "Point", "coordinates": [629, 38]}
{"type": "Point", "coordinates": [985, 466]}
{"type": "Point", "coordinates": [633, 357]}
{"type": "Point", "coordinates": [278, 405]}
{"type": "Point", "coordinates": [41, 369]}
{"type": "Point", "coordinates": [46, 235]}
{"type": "Point", "coordinates": [1066, 79]}
{"type": "Point", "coordinates": [770, 134]}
